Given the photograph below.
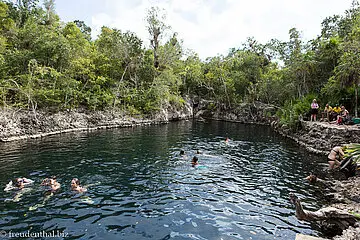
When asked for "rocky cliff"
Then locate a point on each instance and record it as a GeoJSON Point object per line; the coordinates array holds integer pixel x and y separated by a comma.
{"type": "Point", "coordinates": [321, 137]}
{"type": "Point", "coordinates": [258, 113]}
{"type": "Point", "coordinates": [23, 124]}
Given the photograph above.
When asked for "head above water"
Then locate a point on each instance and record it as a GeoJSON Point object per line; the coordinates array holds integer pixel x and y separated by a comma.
{"type": "Point", "coordinates": [182, 152]}
{"type": "Point", "coordinates": [195, 159]}
{"type": "Point", "coordinates": [18, 182]}
{"type": "Point", "coordinates": [311, 178]}
{"type": "Point", "coordinates": [45, 182]}
{"type": "Point", "coordinates": [49, 181]}
{"type": "Point", "coordinates": [75, 181]}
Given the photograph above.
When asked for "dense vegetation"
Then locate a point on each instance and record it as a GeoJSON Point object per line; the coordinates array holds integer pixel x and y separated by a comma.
{"type": "Point", "coordinates": [48, 64]}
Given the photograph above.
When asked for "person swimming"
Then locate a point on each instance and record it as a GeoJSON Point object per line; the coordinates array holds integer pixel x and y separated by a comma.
{"type": "Point", "coordinates": [20, 186]}
{"type": "Point", "coordinates": [227, 140]}
{"type": "Point", "coordinates": [183, 154]}
{"type": "Point", "coordinates": [194, 161]}
{"type": "Point", "coordinates": [75, 185]}
{"type": "Point", "coordinates": [52, 183]}
{"type": "Point", "coordinates": [18, 183]}
{"type": "Point", "coordinates": [312, 178]}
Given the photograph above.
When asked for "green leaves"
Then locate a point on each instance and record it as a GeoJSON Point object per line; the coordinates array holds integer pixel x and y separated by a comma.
{"type": "Point", "coordinates": [353, 150]}
{"type": "Point", "coordinates": [48, 64]}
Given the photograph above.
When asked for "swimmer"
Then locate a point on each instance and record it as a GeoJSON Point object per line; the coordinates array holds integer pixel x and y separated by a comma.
{"type": "Point", "coordinates": [52, 183]}
{"type": "Point", "coordinates": [18, 183]}
{"type": "Point", "coordinates": [194, 161]}
{"type": "Point", "coordinates": [227, 140]}
{"type": "Point", "coordinates": [183, 154]}
{"type": "Point", "coordinates": [312, 178]}
{"type": "Point", "coordinates": [75, 186]}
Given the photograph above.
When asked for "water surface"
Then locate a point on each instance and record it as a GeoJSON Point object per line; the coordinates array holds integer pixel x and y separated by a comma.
{"type": "Point", "coordinates": [143, 189]}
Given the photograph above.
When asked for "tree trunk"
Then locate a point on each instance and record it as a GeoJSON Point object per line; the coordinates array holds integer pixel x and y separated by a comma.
{"type": "Point", "coordinates": [118, 85]}
{"type": "Point", "coordinates": [356, 99]}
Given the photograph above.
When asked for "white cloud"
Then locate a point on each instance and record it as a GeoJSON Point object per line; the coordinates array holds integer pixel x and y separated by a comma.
{"type": "Point", "coordinates": [211, 27]}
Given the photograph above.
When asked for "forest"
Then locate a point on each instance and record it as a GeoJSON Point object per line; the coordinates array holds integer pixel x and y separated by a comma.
{"type": "Point", "coordinates": [52, 65]}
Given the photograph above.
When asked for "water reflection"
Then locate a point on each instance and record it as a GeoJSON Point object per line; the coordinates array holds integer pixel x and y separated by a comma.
{"type": "Point", "coordinates": [142, 189]}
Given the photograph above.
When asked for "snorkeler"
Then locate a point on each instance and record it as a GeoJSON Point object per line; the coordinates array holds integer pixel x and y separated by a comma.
{"type": "Point", "coordinates": [52, 183]}
{"type": "Point", "coordinates": [194, 161]}
{"type": "Point", "coordinates": [75, 185]}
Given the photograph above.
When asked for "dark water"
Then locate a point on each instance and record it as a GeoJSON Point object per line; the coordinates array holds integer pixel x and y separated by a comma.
{"type": "Point", "coordinates": [144, 190]}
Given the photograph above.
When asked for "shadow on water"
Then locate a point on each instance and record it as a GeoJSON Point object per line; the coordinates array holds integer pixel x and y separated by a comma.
{"type": "Point", "coordinates": [142, 189]}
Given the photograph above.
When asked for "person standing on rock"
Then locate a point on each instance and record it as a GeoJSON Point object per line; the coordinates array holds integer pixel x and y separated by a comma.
{"type": "Point", "coordinates": [314, 110]}
{"type": "Point", "coordinates": [335, 156]}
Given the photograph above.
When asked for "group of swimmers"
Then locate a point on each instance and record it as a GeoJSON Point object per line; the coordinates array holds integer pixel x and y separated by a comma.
{"type": "Point", "coordinates": [51, 183]}
{"type": "Point", "coordinates": [194, 160]}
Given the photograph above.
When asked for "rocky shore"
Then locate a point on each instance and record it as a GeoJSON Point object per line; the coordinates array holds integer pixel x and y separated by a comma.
{"type": "Point", "coordinates": [22, 124]}
{"type": "Point", "coordinates": [317, 137]}
{"type": "Point", "coordinates": [320, 137]}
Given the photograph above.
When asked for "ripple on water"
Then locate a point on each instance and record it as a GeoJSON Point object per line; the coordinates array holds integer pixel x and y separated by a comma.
{"type": "Point", "coordinates": [140, 188]}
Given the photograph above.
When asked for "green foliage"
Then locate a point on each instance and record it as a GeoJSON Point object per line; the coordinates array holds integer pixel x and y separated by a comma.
{"type": "Point", "coordinates": [293, 110]}
{"type": "Point", "coordinates": [353, 150]}
{"type": "Point", "coordinates": [48, 64]}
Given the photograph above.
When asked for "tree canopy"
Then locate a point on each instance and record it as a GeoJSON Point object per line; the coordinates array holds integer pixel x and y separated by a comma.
{"type": "Point", "coordinates": [46, 63]}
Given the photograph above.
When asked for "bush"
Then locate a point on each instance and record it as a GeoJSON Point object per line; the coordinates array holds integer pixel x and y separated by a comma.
{"type": "Point", "coordinates": [294, 110]}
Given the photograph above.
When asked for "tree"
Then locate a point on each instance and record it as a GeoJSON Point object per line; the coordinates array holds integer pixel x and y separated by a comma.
{"type": "Point", "coordinates": [50, 11]}
{"type": "Point", "coordinates": [25, 8]}
{"type": "Point", "coordinates": [156, 28]}
{"type": "Point", "coordinates": [85, 29]}
{"type": "Point", "coordinates": [347, 72]}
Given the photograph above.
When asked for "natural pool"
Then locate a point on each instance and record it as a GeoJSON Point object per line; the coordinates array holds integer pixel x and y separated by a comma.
{"type": "Point", "coordinates": [142, 189]}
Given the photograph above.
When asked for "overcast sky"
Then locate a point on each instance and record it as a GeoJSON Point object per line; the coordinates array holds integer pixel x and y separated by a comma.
{"type": "Point", "coordinates": [209, 27]}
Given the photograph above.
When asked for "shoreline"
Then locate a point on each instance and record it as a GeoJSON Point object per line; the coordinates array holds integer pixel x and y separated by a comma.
{"type": "Point", "coordinates": [23, 125]}
{"type": "Point", "coordinates": [18, 125]}
{"type": "Point", "coordinates": [71, 130]}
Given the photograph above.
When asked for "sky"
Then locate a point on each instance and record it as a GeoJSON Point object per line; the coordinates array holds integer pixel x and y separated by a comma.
{"type": "Point", "coordinates": [208, 27]}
